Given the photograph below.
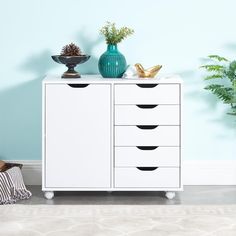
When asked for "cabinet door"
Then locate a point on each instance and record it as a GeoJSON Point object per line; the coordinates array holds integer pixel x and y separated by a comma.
{"type": "Point", "coordinates": [77, 136]}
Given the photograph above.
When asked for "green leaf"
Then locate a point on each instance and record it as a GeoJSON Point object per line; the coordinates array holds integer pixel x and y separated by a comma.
{"type": "Point", "coordinates": [213, 68]}
{"type": "Point", "coordinates": [215, 76]}
{"type": "Point", "coordinates": [230, 72]}
{"type": "Point", "coordinates": [222, 92]}
{"type": "Point", "coordinates": [113, 35]}
{"type": "Point", "coordinates": [232, 113]}
{"type": "Point", "coordinates": [226, 71]}
{"type": "Point", "coordinates": [218, 58]}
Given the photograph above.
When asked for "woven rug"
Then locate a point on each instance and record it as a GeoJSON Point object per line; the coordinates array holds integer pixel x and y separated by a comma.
{"type": "Point", "coordinates": [117, 220]}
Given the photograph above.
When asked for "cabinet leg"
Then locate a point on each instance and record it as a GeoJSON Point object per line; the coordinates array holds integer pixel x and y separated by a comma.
{"type": "Point", "coordinates": [170, 195]}
{"type": "Point", "coordinates": [49, 195]}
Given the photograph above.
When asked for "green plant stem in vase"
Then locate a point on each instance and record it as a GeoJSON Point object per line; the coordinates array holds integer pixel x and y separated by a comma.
{"type": "Point", "coordinates": [112, 63]}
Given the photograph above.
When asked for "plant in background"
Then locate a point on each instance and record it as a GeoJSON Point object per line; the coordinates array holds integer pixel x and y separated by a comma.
{"type": "Point", "coordinates": [223, 73]}
{"type": "Point", "coordinates": [113, 35]}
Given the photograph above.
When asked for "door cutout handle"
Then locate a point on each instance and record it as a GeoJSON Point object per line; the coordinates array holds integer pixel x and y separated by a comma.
{"type": "Point", "coordinates": [147, 85]}
{"type": "Point", "coordinates": [78, 85]}
{"type": "Point", "coordinates": [146, 106]}
{"type": "Point", "coordinates": [147, 168]}
{"type": "Point", "coordinates": [147, 147]}
{"type": "Point", "coordinates": [147, 126]}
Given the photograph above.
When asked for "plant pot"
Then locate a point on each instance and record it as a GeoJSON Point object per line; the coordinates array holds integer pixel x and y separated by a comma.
{"type": "Point", "coordinates": [112, 63]}
{"type": "Point", "coordinates": [71, 62]}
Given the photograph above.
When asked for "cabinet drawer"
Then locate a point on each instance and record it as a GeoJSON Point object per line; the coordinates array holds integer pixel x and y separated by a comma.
{"type": "Point", "coordinates": [137, 136]}
{"type": "Point", "coordinates": [147, 114]}
{"type": "Point", "coordinates": [132, 177]}
{"type": "Point", "coordinates": [152, 94]}
{"type": "Point", "coordinates": [147, 156]}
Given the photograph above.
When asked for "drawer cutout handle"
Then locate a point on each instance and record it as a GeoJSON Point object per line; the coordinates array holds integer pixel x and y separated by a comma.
{"type": "Point", "coordinates": [146, 106]}
{"type": "Point", "coordinates": [147, 85]}
{"type": "Point", "coordinates": [147, 147]}
{"type": "Point", "coordinates": [147, 126]}
{"type": "Point", "coordinates": [78, 85]}
{"type": "Point", "coordinates": [147, 168]}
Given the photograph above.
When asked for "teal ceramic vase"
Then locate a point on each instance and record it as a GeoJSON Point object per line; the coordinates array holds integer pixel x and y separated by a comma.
{"type": "Point", "coordinates": [112, 63]}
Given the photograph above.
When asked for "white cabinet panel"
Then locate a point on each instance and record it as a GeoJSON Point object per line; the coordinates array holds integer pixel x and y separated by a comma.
{"type": "Point", "coordinates": [159, 136]}
{"type": "Point", "coordinates": [78, 138]}
{"type": "Point", "coordinates": [147, 114]}
{"type": "Point", "coordinates": [147, 156]}
{"type": "Point", "coordinates": [156, 94]}
{"type": "Point", "coordinates": [132, 177]}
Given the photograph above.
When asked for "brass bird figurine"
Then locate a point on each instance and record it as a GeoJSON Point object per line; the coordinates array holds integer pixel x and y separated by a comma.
{"type": "Point", "coordinates": [148, 73]}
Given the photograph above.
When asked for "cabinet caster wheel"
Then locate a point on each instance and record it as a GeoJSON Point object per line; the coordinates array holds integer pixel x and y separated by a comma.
{"type": "Point", "coordinates": [49, 195]}
{"type": "Point", "coordinates": [170, 195]}
{"type": "Point", "coordinates": [109, 192]}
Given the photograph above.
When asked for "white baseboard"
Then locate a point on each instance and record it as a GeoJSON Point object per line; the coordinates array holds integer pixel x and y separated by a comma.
{"type": "Point", "coordinates": [214, 172]}
{"type": "Point", "coordinates": [32, 171]}
{"type": "Point", "coordinates": [210, 172]}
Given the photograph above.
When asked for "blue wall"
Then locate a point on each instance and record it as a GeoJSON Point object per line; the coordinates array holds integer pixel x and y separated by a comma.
{"type": "Point", "coordinates": [176, 34]}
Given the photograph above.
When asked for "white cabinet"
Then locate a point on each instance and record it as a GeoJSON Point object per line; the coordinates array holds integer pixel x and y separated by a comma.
{"type": "Point", "coordinates": [111, 134]}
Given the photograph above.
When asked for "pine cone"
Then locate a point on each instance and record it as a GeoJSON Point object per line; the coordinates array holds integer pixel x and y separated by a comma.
{"type": "Point", "coordinates": [71, 50]}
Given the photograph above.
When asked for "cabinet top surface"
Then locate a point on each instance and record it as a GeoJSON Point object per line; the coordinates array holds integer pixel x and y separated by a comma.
{"type": "Point", "coordinates": [98, 79]}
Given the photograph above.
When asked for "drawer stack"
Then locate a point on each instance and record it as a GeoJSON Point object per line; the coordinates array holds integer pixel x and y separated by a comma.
{"type": "Point", "coordinates": [147, 135]}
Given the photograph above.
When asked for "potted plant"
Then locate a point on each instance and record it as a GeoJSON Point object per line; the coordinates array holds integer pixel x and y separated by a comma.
{"type": "Point", "coordinates": [223, 73]}
{"type": "Point", "coordinates": [112, 63]}
{"type": "Point", "coordinates": [71, 56]}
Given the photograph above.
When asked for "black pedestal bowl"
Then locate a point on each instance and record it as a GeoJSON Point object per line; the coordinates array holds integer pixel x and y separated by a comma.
{"type": "Point", "coordinates": [71, 62]}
